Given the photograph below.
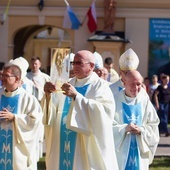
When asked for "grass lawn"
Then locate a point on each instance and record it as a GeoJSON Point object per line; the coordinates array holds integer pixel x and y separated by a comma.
{"type": "Point", "coordinates": [41, 164]}
{"type": "Point", "coordinates": [159, 163]}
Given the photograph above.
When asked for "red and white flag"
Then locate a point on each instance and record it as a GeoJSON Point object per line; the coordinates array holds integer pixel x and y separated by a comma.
{"type": "Point", "coordinates": [92, 19]}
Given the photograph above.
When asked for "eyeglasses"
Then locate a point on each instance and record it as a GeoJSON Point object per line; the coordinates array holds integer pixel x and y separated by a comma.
{"type": "Point", "coordinates": [6, 76]}
{"type": "Point", "coordinates": [78, 63]}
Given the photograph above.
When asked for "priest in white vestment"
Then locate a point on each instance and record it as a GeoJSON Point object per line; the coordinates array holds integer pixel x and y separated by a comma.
{"type": "Point", "coordinates": [135, 125]}
{"type": "Point", "coordinates": [20, 123]}
{"type": "Point", "coordinates": [38, 78]}
{"type": "Point", "coordinates": [78, 123]}
{"type": "Point", "coordinates": [29, 86]}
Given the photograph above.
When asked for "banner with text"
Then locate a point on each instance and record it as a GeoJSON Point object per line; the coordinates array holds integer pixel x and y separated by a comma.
{"type": "Point", "coordinates": [159, 46]}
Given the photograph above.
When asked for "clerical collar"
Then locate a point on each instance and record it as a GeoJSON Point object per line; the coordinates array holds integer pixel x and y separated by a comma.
{"type": "Point", "coordinates": [81, 82]}
{"type": "Point", "coordinates": [11, 91]}
{"type": "Point", "coordinates": [130, 100]}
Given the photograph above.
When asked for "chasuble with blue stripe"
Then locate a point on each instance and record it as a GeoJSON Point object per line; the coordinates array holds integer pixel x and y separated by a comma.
{"type": "Point", "coordinates": [67, 136]}
{"type": "Point", "coordinates": [132, 114]}
{"type": "Point", "coordinates": [6, 133]}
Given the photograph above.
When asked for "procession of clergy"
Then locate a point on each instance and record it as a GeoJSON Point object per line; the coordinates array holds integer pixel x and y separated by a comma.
{"type": "Point", "coordinates": [92, 124]}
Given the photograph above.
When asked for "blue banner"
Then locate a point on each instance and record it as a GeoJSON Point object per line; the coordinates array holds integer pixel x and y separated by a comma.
{"type": "Point", "coordinates": [159, 46]}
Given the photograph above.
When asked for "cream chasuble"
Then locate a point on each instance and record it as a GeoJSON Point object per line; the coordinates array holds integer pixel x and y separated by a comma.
{"type": "Point", "coordinates": [140, 111]}
{"type": "Point", "coordinates": [18, 138]}
{"type": "Point", "coordinates": [89, 121]}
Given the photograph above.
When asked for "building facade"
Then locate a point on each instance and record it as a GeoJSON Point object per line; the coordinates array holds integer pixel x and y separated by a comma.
{"type": "Point", "coordinates": [30, 31]}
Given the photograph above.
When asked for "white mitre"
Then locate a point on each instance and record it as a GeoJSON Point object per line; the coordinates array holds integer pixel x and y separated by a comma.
{"type": "Point", "coordinates": [22, 63]}
{"type": "Point", "coordinates": [129, 60]}
{"type": "Point", "coordinates": [98, 60]}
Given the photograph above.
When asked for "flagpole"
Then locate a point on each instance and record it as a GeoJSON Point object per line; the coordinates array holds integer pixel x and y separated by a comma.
{"type": "Point", "coordinates": [66, 2]}
{"type": "Point", "coordinates": [83, 20]}
{"type": "Point", "coordinates": [86, 14]}
{"type": "Point", "coordinates": [7, 8]}
{"type": "Point", "coordinates": [4, 15]}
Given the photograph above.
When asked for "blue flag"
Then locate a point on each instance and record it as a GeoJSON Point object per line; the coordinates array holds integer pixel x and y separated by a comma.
{"type": "Point", "coordinates": [70, 19]}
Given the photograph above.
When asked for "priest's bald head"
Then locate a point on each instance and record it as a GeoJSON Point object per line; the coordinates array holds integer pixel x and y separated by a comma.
{"type": "Point", "coordinates": [83, 64]}
{"type": "Point", "coordinates": [133, 83]}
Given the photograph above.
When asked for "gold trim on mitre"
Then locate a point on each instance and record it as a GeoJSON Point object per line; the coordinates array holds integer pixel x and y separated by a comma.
{"type": "Point", "coordinates": [129, 60]}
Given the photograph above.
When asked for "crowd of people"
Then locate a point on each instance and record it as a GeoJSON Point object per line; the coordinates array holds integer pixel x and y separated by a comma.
{"type": "Point", "coordinates": [159, 93]}
{"type": "Point", "coordinates": [101, 119]}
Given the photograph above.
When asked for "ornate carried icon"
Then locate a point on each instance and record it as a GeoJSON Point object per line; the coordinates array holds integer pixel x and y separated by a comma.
{"type": "Point", "coordinates": [59, 68]}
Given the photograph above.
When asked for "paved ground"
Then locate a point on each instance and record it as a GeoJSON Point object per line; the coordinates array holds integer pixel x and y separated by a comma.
{"type": "Point", "coordinates": [163, 147]}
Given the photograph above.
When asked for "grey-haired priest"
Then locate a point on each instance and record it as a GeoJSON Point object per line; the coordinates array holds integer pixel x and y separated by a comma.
{"type": "Point", "coordinates": [78, 124]}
